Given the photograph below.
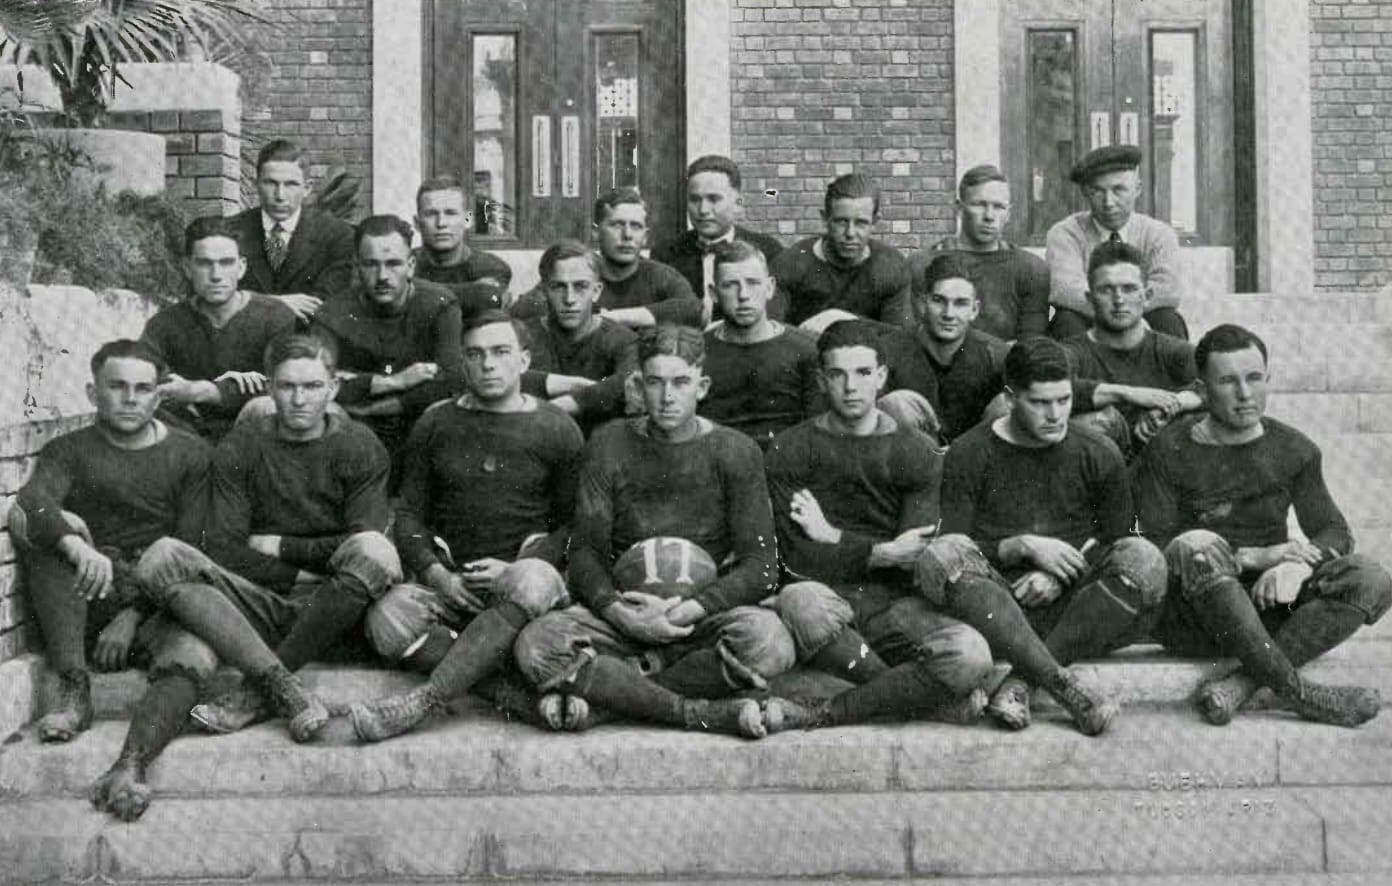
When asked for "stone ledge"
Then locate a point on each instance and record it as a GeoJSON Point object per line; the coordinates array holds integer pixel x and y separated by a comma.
{"type": "Point", "coordinates": [690, 835]}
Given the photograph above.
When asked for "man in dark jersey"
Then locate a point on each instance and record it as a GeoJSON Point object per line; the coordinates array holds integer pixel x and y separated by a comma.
{"type": "Point", "coordinates": [855, 498]}
{"type": "Point", "coordinates": [1034, 551]}
{"type": "Point", "coordinates": [1012, 284]}
{"type": "Point", "coordinates": [669, 473]}
{"type": "Point", "coordinates": [1135, 380]}
{"type": "Point", "coordinates": [397, 338]}
{"type": "Point", "coordinates": [478, 279]}
{"type": "Point", "coordinates": [1216, 490]}
{"type": "Point", "coordinates": [97, 500]}
{"type": "Point", "coordinates": [846, 268]}
{"type": "Point", "coordinates": [638, 292]}
{"type": "Point", "coordinates": [713, 204]}
{"type": "Point", "coordinates": [580, 361]}
{"type": "Point", "coordinates": [969, 364]}
{"type": "Point", "coordinates": [763, 373]}
{"type": "Point", "coordinates": [297, 544]}
{"type": "Point", "coordinates": [214, 341]}
{"type": "Point", "coordinates": [492, 476]}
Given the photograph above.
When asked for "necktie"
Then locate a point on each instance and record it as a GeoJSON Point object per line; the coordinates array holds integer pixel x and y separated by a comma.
{"type": "Point", "coordinates": [1114, 237]}
{"type": "Point", "coordinates": [275, 247]}
{"type": "Point", "coordinates": [706, 248]}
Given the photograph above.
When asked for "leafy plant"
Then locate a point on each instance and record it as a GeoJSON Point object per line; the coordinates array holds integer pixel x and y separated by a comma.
{"type": "Point", "coordinates": [84, 235]}
{"type": "Point", "coordinates": [82, 43]}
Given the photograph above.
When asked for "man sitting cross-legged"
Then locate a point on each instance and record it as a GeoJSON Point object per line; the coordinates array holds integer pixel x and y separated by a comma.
{"type": "Point", "coordinates": [214, 340]}
{"type": "Point", "coordinates": [1133, 380]}
{"type": "Point", "coordinates": [580, 361]}
{"type": "Point", "coordinates": [296, 541]}
{"type": "Point", "coordinates": [97, 499]}
{"type": "Point", "coordinates": [855, 498]}
{"type": "Point", "coordinates": [669, 481]}
{"type": "Point", "coordinates": [1034, 552]}
{"type": "Point", "coordinates": [492, 476]}
{"type": "Point", "coordinates": [1216, 490]}
{"type": "Point", "coordinates": [763, 373]}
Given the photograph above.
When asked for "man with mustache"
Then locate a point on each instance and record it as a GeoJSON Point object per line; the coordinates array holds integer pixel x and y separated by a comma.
{"type": "Point", "coordinates": [397, 337]}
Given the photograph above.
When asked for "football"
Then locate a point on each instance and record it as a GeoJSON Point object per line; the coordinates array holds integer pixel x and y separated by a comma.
{"type": "Point", "coordinates": [664, 566]}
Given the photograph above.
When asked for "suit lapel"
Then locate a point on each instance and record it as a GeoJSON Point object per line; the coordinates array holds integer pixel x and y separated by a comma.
{"type": "Point", "coordinates": [258, 277]}
{"type": "Point", "coordinates": [300, 250]}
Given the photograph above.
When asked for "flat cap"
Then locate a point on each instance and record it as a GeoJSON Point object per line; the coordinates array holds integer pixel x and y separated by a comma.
{"type": "Point", "coordinates": [1108, 159]}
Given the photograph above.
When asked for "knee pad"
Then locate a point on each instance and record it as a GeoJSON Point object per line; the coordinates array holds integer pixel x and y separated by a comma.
{"type": "Point", "coordinates": [169, 560]}
{"type": "Point", "coordinates": [944, 562]}
{"type": "Point", "coordinates": [956, 656]}
{"type": "Point", "coordinates": [181, 652]}
{"type": "Point", "coordinates": [1141, 564]}
{"type": "Point", "coordinates": [1198, 559]}
{"type": "Point", "coordinates": [758, 640]}
{"type": "Point", "coordinates": [399, 618]}
{"type": "Point", "coordinates": [369, 557]}
{"type": "Point", "coordinates": [813, 614]}
{"type": "Point", "coordinates": [549, 653]}
{"type": "Point", "coordinates": [1358, 581]}
{"type": "Point", "coordinates": [533, 585]}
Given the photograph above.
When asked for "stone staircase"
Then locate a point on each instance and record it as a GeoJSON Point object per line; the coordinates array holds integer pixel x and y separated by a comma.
{"type": "Point", "coordinates": [1162, 799]}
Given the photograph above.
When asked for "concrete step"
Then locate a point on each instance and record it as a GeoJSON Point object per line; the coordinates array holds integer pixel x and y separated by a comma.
{"type": "Point", "coordinates": [1163, 754]}
{"type": "Point", "coordinates": [1139, 675]}
{"type": "Point", "coordinates": [1327, 414]}
{"type": "Point", "coordinates": [699, 835]}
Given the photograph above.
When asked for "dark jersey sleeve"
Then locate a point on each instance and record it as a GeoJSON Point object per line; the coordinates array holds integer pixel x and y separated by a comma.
{"type": "Point", "coordinates": [1319, 517]}
{"type": "Point", "coordinates": [449, 357]}
{"type": "Point", "coordinates": [229, 520]}
{"type": "Point", "coordinates": [962, 473]}
{"type": "Point", "coordinates": [1157, 507]}
{"type": "Point", "coordinates": [566, 449]}
{"type": "Point", "coordinates": [591, 547]}
{"type": "Point", "coordinates": [415, 501]}
{"type": "Point", "coordinates": [1034, 298]}
{"type": "Point", "coordinates": [673, 300]}
{"type": "Point", "coordinates": [1112, 502]}
{"type": "Point", "coordinates": [43, 494]}
{"type": "Point", "coordinates": [606, 397]}
{"type": "Point", "coordinates": [755, 572]}
{"type": "Point", "coordinates": [194, 494]}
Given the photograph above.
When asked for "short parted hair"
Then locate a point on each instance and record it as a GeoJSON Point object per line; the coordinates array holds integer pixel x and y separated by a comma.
{"type": "Point", "coordinates": [715, 163]}
{"type": "Point", "coordinates": [1036, 358]}
{"type": "Point", "coordinates": [851, 186]}
{"type": "Point", "coordinates": [490, 316]}
{"type": "Point", "coordinates": [127, 349]}
{"type": "Point", "coordinates": [948, 266]}
{"type": "Point", "coordinates": [850, 334]}
{"type": "Point", "coordinates": [210, 226]}
{"type": "Point", "coordinates": [670, 340]}
{"type": "Point", "coordinates": [299, 346]}
{"type": "Point", "coordinates": [279, 150]}
{"type": "Point", "coordinates": [979, 175]}
{"type": "Point", "coordinates": [439, 183]}
{"type": "Point", "coordinates": [1224, 339]}
{"type": "Point", "coordinates": [1116, 252]}
{"type": "Point", "coordinates": [735, 251]}
{"type": "Point", "coordinates": [382, 226]}
{"type": "Point", "coordinates": [616, 197]}
{"type": "Point", "coordinates": [564, 250]}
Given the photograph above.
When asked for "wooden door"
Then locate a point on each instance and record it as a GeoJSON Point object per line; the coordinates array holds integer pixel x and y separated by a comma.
{"type": "Point", "coordinates": [540, 105]}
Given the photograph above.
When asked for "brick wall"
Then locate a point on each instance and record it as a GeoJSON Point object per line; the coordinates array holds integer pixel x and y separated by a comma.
{"type": "Point", "coordinates": [823, 87]}
{"type": "Point", "coordinates": [202, 149]}
{"type": "Point", "coordinates": [19, 444]}
{"type": "Point", "coordinates": [1351, 86]}
{"type": "Point", "coordinates": [313, 83]}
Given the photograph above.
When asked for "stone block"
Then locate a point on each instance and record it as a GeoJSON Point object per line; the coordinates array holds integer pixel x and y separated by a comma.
{"type": "Point", "coordinates": [181, 143]}
{"type": "Point", "coordinates": [181, 187]}
{"type": "Point", "coordinates": [1316, 413]}
{"type": "Point", "coordinates": [216, 143]}
{"type": "Point", "coordinates": [1352, 817]}
{"type": "Point", "coordinates": [1375, 413]}
{"type": "Point", "coordinates": [136, 121]}
{"type": "Point", "coordinates": [164, 121]}
{"type": "Point", "coordinates": [203, 121]}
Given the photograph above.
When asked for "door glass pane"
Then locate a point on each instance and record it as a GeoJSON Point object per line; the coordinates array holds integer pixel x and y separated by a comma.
{"type": "Point", "coordinates": [494, 134]}
{"type": "Point", "coordinates": [1052, 125]}
{"type": "Point", "coordinates": [616, 111]}
{"type": "Point", "coordinates": [1174, 128]}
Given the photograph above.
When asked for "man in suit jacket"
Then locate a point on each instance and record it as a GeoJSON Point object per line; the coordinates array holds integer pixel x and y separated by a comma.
{"type": "Point", "coordinates": [300, 255]}
{"type": "Point", "coordinates": [713, 202]}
